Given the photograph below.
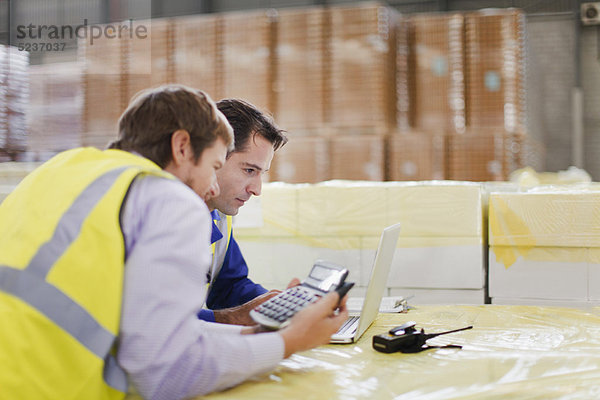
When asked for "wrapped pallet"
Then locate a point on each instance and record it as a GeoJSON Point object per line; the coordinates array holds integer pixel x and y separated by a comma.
{"type": "Point", "coordinates": [304, 159]}
{"type": "Point", "coordinates": [198, 53]}
{"type": "Point", "coordinates": [483, 155]}
{"type": "Point", "coordinates": [299, 86]}
{"type": "Point", "coordinates": [357, 157]}
{"type": "Point", "coordinates": [248, 39]}
{"type": "Point", "coordinates": [55, 108]}
{"type": "Point", "coordinates": [415, 156]}
{"type": "Point", "coordinates": [105, 91]}
{"type": "Point", "coordinates": [14, 101]}
{"type": "Point", "coordinates": [495, 64]}
{"type": "Point", "coordinates": [362, 74]}
{"type": "Point", "coordinates": [440, 250]}
{"type": "Point", "coordinates": [545, 246]}
{"type": "Point", "coordinates": [438, 85]}
{"type": "Point", "coordinates": [148, 60]}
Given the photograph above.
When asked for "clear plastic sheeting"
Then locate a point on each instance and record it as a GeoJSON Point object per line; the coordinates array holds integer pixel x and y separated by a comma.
{"type": "Point", "coordinates": [438, 211]}
{"type": "Point", "coordinates": [441, 245]}
{"type": "Point", "coordinates": [529, 177]}
{"type": "Point", "coordinates": [548, 217]}
{"type": "Point", "coordinates": [512, 352]}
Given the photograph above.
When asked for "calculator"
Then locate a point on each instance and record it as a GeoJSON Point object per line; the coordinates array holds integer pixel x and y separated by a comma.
{"type": "Point", "coordinates": [324, 277]}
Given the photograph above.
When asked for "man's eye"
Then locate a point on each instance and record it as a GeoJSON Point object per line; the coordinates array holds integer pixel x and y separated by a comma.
{"type": "Point", "coordinates": [249, 170]}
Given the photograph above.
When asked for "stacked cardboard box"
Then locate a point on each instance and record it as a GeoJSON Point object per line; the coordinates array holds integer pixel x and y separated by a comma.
{"type": "Point", "coordinates": [304, 159]}
{"type": "Point", "coordinates": [544, 246]}
{"type": "Point", "coordinates": [299, 86]}
{"type": "Point", "coordinates": [198, 53]}
{"type": "Point", "coordinates": [248, 41]}
{"type": "Point", "coordinates": [360, 70]}
{"type": "Point", "coordinates": [414, 156]}
{"type": "Point", "coordinates": [495, 62]}
{"type": "Point", "coordinates": [148, 58]}
{"type": "Point", "coordinates": [105, 92]}
{"type": "Point", "coordinates": [438, 80]}
{"type": "Point", "coordinates": [14, 99]}
{"type": "Point", "coordinates": [431, 102]}
{"type": "Point", "coordinates": [495, 143]}
{"type": "Point", "coordinates": [482, 155]}
{"type": "Point", "coordinates": [361, 55]}
{"type": "Point", "coordinates": [311, 159]}
{"type": "Point", "coordinates": [358, 157]}
{"type": "Point", "coordinates": [56, 105]}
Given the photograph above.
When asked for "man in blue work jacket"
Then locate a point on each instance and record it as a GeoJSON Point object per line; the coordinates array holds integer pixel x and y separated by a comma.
{"type": "Point", "coordinates": [231, 293]}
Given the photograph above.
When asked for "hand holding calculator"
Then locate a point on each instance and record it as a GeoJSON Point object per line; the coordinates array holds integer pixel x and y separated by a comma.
{"type": "Point", "coordinates": [324, 277]}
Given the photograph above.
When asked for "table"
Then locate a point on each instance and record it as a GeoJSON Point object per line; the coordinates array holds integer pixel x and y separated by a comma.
{"type": "Point", "coordinates": [512, 352]}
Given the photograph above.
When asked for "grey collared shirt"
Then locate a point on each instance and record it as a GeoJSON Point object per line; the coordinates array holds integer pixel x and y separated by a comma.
{"type": "Point", "coordinates": [166, 350]}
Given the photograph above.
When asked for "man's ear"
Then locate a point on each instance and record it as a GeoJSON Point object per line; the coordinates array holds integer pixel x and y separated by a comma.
{"type": "Point", "coordinates": [180, 146]}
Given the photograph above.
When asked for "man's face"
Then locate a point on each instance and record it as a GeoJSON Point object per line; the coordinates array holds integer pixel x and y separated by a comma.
{"type": "Point", "coordinates": [241, 176]}
{"type": "Point", "coordinates": [201, 175]}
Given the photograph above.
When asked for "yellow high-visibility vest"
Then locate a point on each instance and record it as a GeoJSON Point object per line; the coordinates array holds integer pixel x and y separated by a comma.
{"type": "Point", "coordinates": [62, 255]}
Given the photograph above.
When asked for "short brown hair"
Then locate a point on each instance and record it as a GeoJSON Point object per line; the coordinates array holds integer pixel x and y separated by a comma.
{"type": "Point", "coordinates": [153, 115]}
{"type": "Point", "coordinates": [247, 120]}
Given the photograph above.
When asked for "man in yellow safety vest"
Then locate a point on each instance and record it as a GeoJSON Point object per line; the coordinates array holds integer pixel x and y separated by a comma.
{"type": "Point", "coordinates": [103, 263]}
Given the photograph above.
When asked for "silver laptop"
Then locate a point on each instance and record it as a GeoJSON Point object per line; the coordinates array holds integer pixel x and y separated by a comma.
{"type": "Point", "coordinates": [356, 325]}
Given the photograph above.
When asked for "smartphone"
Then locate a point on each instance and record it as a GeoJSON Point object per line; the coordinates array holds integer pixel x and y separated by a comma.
{"type": "Point", "coordinates": [323, 278]}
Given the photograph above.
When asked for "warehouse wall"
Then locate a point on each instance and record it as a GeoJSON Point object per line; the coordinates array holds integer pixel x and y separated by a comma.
{"type": "Point", "coordinates": [590, 66]}
{"type": "Point", "coordinates": [551, 75]}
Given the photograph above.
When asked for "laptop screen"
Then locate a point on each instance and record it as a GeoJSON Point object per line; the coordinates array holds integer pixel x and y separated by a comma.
{"type": "Point", "coordinates": [379, 277]}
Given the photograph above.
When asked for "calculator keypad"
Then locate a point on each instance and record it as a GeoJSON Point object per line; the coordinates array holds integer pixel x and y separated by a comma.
{"type": "Point", "coordinates": [286, 304]}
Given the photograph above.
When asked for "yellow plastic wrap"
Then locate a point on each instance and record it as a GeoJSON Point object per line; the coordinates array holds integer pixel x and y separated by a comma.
{"type": "Point", "coordinates": [435, 213]}
{"type": "Point", "coordinates": [557, 218]}
{"type": "Point", "coordinates": [275, 212]}
{"type": "Point", "coordinates": [441, 242]}
{"type": "Point", "coordinates": [529, 177]}
{"type": "Point", "coordinates": [512, 352]}
{"type": "Point", "coordinates": [547, 218]}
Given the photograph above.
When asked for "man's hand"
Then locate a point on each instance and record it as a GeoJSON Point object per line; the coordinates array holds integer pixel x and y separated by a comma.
{"type": "Point", "coordinates": [293, 282]}
{"type": "Point", "coordinates": [240, 315]}
{"type": "Point", "coordinates": [314, 325]}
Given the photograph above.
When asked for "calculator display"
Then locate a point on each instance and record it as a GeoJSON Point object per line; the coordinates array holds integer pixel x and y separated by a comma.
{"type": "Point", "coordinates": [324, 278]}
{"type": "Point", "coordinates": [320, 272]}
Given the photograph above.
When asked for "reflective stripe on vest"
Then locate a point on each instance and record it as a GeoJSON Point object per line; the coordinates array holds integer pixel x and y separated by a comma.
{"type": "Point", "coordinates": [29, 284]}
{"type": "Point", "coordinates": [219, 248]}
{"type": "Point", "coordinates": [62, 256]}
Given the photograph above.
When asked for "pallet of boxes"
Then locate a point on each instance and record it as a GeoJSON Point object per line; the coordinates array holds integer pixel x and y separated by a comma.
{"type": "Point", "coordinates": [14, 98]}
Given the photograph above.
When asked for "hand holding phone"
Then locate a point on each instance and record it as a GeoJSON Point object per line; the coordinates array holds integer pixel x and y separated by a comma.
{"type": "Point", "coordinates": [324, 277]}
{"type": "Point", "coordinates": [343, 289]}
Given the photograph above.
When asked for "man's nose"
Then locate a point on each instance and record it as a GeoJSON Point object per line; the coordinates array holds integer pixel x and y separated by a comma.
{"type": "Point", "coordinates": [255, 186]}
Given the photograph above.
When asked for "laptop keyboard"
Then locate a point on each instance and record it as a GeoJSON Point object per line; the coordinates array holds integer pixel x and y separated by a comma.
{"type": "Point", "coordinates": [348, 326]}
